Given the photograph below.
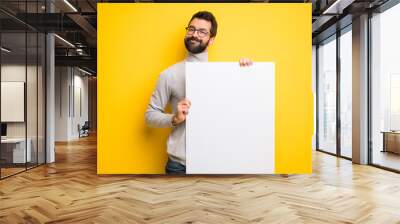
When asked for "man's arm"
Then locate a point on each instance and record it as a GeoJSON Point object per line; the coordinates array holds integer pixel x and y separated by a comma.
{"type": "Point", "coordinates": [155, 115]}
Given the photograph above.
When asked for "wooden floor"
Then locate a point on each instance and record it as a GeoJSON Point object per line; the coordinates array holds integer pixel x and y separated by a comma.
{"type": "Point", "coordinates": [8, 171]}
{"type": "Point", "coordinates": [70, 191]}
{"type": "Point", "coordinates": [5, 172]}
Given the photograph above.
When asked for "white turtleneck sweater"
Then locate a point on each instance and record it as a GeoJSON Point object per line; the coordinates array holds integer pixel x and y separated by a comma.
{"type": "Point", "coordinates": [171, 89]}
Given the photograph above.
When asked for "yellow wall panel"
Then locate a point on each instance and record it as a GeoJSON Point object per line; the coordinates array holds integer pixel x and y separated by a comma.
{"type": "Point", "coordinates": [138, 41]}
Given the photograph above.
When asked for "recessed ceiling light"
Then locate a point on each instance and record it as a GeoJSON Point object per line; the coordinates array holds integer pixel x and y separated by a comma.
{"type": "Point", "coordinates": [84, 71]}
{"type": "Point", "coordinates": [338, 6]}
{"type": "Point", "coordinates": [5, 50]}
{"type": "Point", "coordinates": [64, 40]}
{"type": "Point", "coordinates": [70, 5]}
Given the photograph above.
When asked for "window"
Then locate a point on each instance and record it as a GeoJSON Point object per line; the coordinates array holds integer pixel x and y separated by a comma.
{"type": "Point", "coordinates": [346, 93]}
{"type": "Point", "coordinates": [385, 88]}
{"type": "Point", "coordinates": [327, 96]}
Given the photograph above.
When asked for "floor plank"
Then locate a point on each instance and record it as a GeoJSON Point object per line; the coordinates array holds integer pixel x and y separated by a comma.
{"type": "Point", "coordinates": [70, 191]}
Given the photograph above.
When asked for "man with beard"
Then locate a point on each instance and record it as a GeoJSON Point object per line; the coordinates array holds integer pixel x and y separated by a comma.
{"type": "Point", "coordinates": [170, 88]}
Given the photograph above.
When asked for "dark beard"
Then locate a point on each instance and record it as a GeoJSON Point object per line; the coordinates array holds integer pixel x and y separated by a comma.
{"type": "Point", "coordinates": [195, 49]}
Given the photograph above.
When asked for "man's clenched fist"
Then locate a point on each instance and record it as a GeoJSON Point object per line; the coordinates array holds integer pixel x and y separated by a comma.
{"type": "Point", "coordinates": [182, 109]}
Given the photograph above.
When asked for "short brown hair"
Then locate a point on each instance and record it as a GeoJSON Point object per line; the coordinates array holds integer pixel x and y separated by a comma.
{"type": "Point", "coordinates": [208, 16]}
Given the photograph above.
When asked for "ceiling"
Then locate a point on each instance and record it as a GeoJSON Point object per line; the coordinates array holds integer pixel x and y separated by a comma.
{"type": "Point", "coordinates": [76, 22]}
{"type": "Point", "coordinates": [72, 20]}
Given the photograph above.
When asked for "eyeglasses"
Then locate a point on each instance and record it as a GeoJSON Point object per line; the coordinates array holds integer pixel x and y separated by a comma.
{"type": "Point", "coordinates": [201, 32]}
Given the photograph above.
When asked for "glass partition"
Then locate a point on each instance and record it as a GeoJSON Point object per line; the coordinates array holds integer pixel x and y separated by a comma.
{"type": "Point", "coordinates": [327, 96]}
{"type": "Point", "coordinates": [385, 89]}
{"type": "Point", "coordinates": [22, 88]}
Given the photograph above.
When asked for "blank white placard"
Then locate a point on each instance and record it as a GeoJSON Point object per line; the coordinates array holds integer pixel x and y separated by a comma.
{"type": "Point", "coordinates": [12, 101]}
{"type": "Point", "coordinates": [230, 128]}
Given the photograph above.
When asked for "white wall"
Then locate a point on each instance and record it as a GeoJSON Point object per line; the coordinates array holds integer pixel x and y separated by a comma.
{"type": "Point", "coordinates": [81, 84]}
{"type": "Point", "coordinates": [62, 81]}
{"type": "Point", "coordinates": [33, 127]}
{"type": "Point", "coordinates": [12, 73]}
{"type": "Point", "coordinates": [71, 93]}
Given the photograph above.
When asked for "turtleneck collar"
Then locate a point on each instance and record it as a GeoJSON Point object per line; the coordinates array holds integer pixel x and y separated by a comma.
{"type": "Point", "coordinates": [202, 57]}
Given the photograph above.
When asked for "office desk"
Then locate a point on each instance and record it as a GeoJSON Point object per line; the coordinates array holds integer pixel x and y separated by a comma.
{"type": "Point", "coordinates": [13, 150]}
{"type": "Point", "coordinates": [391, 141]}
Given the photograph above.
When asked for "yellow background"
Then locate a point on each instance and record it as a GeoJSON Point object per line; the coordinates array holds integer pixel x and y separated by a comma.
{"type": "Point", "coordinates": [138, 41]}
